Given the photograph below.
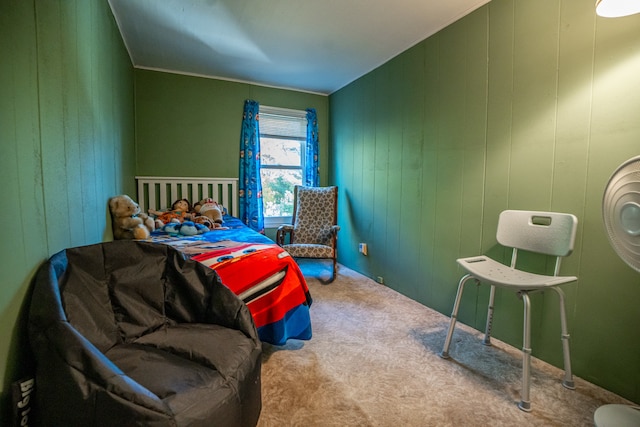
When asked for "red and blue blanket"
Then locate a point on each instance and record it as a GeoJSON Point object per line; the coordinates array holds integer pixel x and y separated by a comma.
{"type": "Point", "coordinates": [260, 272]}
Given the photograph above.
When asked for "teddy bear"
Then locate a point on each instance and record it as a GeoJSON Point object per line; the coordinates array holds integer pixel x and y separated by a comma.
{"type": "Point", "coordinates": [180, 211]}
{"type": "Point", "coordinates": [127, 220]}
{"type": "Point", "coordinates": [209, 208]}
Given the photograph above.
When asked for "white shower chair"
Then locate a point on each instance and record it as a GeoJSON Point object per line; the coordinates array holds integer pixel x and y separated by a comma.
{"type": "Point", "coordinates": [548, 233]}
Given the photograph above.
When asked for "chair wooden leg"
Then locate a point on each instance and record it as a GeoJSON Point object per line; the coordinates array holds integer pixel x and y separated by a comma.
{"type": "Point", "coordinates": [525, 401]}
{"type": "Point", "coordinates": [487, 330]}
{"type": "Point", "coordinates": [568, 376]}
{"type": "Point", "coordinates": [334, 271]}
{"type": "Point", "coordinates": [454, 314]}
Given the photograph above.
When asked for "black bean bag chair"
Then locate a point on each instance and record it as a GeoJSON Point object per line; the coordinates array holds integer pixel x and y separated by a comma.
{"type": "Point", "coordinates": [130, 333]}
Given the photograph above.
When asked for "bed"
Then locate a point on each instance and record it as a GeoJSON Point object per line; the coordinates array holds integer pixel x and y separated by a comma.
{"type": "Point", "coordinates": [260, 272]}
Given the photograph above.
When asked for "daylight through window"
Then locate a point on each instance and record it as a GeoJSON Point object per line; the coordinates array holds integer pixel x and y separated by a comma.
{"type": "Point", "coordinates": [283, 135]}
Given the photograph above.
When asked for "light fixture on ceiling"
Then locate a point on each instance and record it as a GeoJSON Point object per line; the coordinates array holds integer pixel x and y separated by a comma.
{"type": "Point", "coordinates": [617, 8]}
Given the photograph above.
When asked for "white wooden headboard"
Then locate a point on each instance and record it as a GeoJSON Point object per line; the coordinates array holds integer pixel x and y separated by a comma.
{"type": "Point", "coordinates": [155, 192]}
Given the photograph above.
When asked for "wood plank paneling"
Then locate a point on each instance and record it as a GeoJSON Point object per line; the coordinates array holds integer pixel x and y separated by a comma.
{"type": "Point", "coordinates": [382, 209]}
{"type": "Point", "coordinates": [525, 105]}
{"type": "Point", "coordinates": [66, 115]}
{"type": "Point", "coordinates": [198, 119]}
{"type": "Point", "coordinates": [394, 117]}
{"type": "Point", "coordinates": [21, 245]}
{"type": "Point", "coordinates": [411, 169]}
{"type": "Point", "coordinates": [365, 219]}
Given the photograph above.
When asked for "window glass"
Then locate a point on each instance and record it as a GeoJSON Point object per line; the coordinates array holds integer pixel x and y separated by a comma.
{"type": "Point", "coordinates": [281, 152]}
{"type": "Point", "coordinates": [277, 191]}
{"type": "Point", "coordinates": [282, 144]}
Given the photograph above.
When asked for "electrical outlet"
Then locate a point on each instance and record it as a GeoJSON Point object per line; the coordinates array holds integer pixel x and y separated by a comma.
{"type": "Point", "coordinates": [363, 249]}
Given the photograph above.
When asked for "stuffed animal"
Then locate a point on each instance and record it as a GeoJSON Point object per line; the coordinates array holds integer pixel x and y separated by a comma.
{"type": "Point", "coordinates": [172, 228]}
{"type": "Point", "coordinates": [206, 221]}
{"type": "Point", "coordinates": [187, 228]}
{"type": "Point", "coordinates": [209, 208]}
{"type": "Point", "coordinates": [127, 220]}
{"type": "Point", "coordinates": [180, 211]}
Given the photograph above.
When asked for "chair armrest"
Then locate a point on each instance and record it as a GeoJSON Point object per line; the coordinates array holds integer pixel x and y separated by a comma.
{"type": "Point", "coordinates": [62, 353]}
{"type": "Point", "coordinates": [282, 231]}
{"type": "Point", "coordinates": [334, 235]}
{"type": "Point", "coordinates": [195, 294]}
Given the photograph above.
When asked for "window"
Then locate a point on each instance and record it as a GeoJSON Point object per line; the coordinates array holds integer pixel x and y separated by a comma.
{"type": "Point", "coordinates": [283, 137]}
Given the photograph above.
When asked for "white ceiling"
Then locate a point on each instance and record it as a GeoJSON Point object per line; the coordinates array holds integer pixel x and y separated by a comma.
{"type": "Point", "coordinates": [316, 46]}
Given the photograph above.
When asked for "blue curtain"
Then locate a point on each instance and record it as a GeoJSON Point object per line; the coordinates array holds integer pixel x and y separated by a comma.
{"type": "Point", "coordinates": [312, 169]}
{"type": "Point", "coordinates": [250, 187]}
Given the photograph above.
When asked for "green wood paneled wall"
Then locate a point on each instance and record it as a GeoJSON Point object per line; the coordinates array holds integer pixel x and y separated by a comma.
{"type": "Point", "coordinates": [190, 126]}
{"type": "Point", "coordinates": [67, 138]}
{"type": "Point", "coordinates": [520, 105]}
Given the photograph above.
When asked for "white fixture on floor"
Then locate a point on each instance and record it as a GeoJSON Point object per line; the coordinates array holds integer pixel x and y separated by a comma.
{"type": "Point", "coordinates": [621, 216]}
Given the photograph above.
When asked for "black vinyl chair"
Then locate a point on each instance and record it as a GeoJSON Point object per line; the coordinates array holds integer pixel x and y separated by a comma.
{"type": "Point", "coordinates": [129, 333]}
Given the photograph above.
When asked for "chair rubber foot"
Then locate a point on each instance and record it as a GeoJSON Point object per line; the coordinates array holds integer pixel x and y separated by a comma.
{"type": "Point", "coordinates": [525, 406]}
{"type": "Point", "coordinates": [569, 384]}
{"type": "Point", "coordinates": [444, 355]}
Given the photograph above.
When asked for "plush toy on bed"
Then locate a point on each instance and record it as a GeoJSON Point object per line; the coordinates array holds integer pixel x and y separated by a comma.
{"type": "Point", "coordinates": [127, 220]}
{"type": "Point", "coordinates": [187, 228]}
{"type": "Point", "coordinates": [209, 208]}
{"type": "Point", "coordinates": [180, 212]}
{"type": "Point", "coordinates": [206, 221]}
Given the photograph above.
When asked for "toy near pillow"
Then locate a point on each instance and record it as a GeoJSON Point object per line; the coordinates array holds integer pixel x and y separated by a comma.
{"type": "Point", "coordinates": [209, 208]}
{"type": "Point", "coordinates": [180, 211]}
{"type": "Point", "coordinates": [206, 221]}
{"type": "Point", "coordinates": [186, 228]}
{"type": "Point", "coordinates": [127, 220]}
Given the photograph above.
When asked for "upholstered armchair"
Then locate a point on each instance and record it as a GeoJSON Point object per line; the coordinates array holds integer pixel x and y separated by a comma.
{"type": "Point", "coordinates": [313, 232]}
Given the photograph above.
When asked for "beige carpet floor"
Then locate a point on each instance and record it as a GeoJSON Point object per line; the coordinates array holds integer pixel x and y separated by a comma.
{"type": "Point", "coordinates": [373, 361]}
